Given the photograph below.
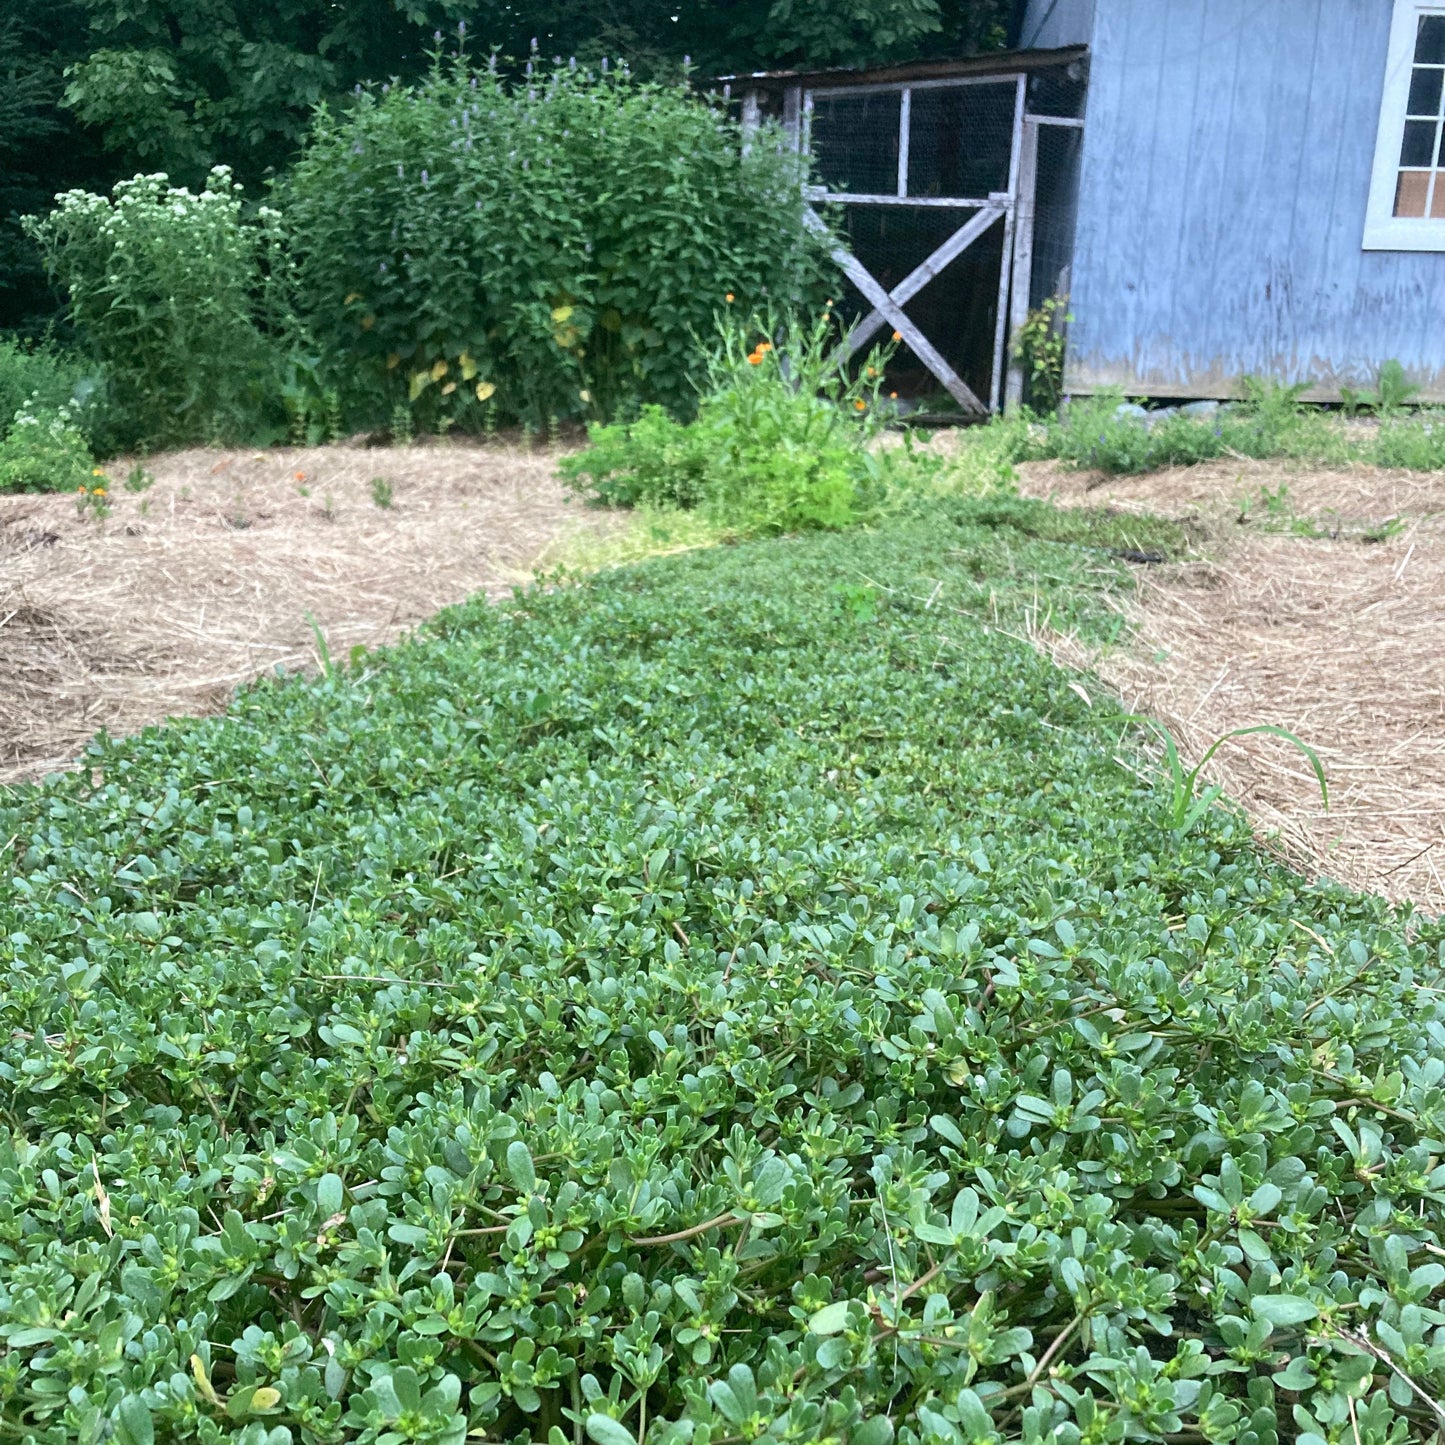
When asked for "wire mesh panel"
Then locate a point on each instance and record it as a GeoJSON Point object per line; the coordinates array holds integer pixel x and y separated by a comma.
{"type": "Point", "coordinates": [960, 140]}
{"type": "Point", "coordinates": [1056, 211]}
{"type": "Point", "coordinates": [956, 311]}
{"type": "Point", "coordinates": [855, 141]}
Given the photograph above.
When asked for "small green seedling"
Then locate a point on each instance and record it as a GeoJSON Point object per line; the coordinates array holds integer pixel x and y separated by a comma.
{"type": "Point", "coordinates": [381, 492]}
{"type": "Point", "coordinates": [1187, 803]}
{"type": "Point", "coordinates": [138, 479]}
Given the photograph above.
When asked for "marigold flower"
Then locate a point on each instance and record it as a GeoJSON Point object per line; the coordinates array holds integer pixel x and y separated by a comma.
{"type": "Point", "coordinates": [97, 471]}
{"type": "Point", "coordinates": [892, 396]}
{"type": "Point", "coordinates": [754, 359]}
{"type": "Point", "coordinates": [300, 476]}
{"type": "Point", "coordinates": [898, 336]}
{"type": "Point", "coordinates": [730, 298]}
{"type": "Point", "coordinates": [860, 405]}
{"type": "Point", "coordinates": [98, 492]}
{"type": "Point", "coordinates": [765, 346]}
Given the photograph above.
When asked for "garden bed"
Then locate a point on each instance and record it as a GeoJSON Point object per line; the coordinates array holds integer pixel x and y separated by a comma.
{"type": "Point", "coordinates": [1322, 608]}
{"type": "Point", "coordinates": [209, 576]}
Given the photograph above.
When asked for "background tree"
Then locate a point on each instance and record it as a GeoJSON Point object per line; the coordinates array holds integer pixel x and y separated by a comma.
{"type": "Point", "coordinates": [94, 90]}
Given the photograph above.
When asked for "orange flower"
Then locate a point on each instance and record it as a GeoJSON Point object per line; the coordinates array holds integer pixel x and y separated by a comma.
{"type": "Point", "coordinates": [764, 346]}
{"type": "Point", "coordinates": [300, 476]}
{"type": "Point", "coordinates": [730, 298]}
{"type": "Point", "coordinates": [97, 492]}
{"type": "Point", "coordinates": [892, 396]}
{"type": "Point", "coordinates": [754, 359]}
{"type": "Point", "coordinates": [860, 405]}
{"type": "Point", "coordinates": [898, 336]}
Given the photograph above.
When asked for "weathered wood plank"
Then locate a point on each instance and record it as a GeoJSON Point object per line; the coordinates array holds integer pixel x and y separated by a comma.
{"type": "Point", "coordinates": [1023, 267]}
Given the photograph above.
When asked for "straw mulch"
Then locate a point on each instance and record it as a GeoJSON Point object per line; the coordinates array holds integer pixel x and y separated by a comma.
{"type": "Point", "coordinates": [207, 578]}
{"type": "Point", "coordinates": [1339, 638]}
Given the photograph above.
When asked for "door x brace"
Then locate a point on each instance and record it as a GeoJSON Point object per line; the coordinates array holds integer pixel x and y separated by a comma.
{"type": "Point", "coordinates": [888, 305]}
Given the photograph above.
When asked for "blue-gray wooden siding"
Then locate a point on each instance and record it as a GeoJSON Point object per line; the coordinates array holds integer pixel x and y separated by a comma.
{"type": "Point", "coordinates": [1226, 168]}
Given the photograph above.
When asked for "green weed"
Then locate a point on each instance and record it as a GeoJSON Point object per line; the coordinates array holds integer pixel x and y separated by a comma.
{"type": "Point", "coordinates": [382, 492]}
{"type": "Point", "coordinates": [740, 997]}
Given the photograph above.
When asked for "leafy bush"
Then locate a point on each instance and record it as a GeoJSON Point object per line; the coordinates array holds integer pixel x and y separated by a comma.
{"type": "Point", "coordinates": [163, 286]}
{"type": "Point", "coordinates": [37, 377]}
{"type": "Point", "coordinates": [1416, 442]}
{"type": "Point", "coordinates": [45, 450]}
{"type": "Point", "coordinates": [780, 443]}
{"type": "Point", "coordinates": [547, 250]}
{"type": "Point", "coordinates": [738, 999]}
{"type": "Point", "coordinates": [1104, 433]}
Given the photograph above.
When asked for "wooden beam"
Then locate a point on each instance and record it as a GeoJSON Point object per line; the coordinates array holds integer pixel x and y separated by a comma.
{"type": "Point", "coordinates": [848, 198]}
{"type": "Point", "coordinates": [1006, 260]}
{"type": "Point", "coordinates": [922, 274]}
{"type": "Point", "coordinates": [920, 345]}
{"type": "Point", "coordinates": [1023, 266]}
{"type": "Point", "coordinates": [752, 119]}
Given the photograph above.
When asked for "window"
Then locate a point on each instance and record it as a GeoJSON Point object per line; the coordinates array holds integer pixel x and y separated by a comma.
{"type": "Point", "coordinates": [1407, 189]}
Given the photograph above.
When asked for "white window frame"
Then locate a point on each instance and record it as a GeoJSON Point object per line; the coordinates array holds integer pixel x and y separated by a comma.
{"type": "Point", "coordinates": [1385, 231]}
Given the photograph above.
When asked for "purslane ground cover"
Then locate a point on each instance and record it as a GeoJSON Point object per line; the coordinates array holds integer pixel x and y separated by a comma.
{"type": "Point", "coordinates": [752, 996]}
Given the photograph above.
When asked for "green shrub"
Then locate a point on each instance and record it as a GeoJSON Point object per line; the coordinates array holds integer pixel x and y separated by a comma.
{"type": "Point", "coordinates": [38, 377]}
{"type": "Point", "coordinates": [45, 450]}
{"type": "Point", "coordinates": [744, 993]}
{"type": "Point", "coordinates": [1416, 442]}
{"type": "Point", "coordinates": [781, 441]}
{"type": "Point", "coordinates": [1102, 432]}
{"type": "Point", "coordinates": [163, 287]}
{"type": "Point", "coordinates": [549, 250]}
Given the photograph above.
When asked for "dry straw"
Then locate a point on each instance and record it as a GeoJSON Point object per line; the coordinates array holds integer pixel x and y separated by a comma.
{"type": "Point", "coordinates": [1339, 639]}
{"type": "Point", "coordinates": [206, 579]}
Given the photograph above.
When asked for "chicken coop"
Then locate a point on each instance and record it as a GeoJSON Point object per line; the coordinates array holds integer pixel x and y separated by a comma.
{"type": "Point", "coordinates": [955, 184]}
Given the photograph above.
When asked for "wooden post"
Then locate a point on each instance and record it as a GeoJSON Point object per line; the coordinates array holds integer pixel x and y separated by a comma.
{"type": "Point", "coordinates": [905, 116]}
{"type": "Point", "coordinates": [752, 118]}
{"type": "Point", "coordinates": [793, 115]}
{"type": "Point", "coordinates": [1023, 266]}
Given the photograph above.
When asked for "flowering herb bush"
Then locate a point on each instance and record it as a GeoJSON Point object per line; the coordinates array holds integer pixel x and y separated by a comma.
{"type": "Point", "coordinates": [742, 999]}
{"type": "Point", "coordinates": [45, 449]}
{"type": "Point", "coordinates": [781, 440]}
{"type": "Point", "coordinates": [163, 286]}
{"type": "Point", "coordinates": [548, 249]}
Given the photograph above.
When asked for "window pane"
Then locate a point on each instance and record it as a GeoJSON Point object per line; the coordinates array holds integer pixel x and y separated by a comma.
{"type": "Point", "coordinates": [1411, 193]}
{"type": "Point", "coordinates": [1419, 147]}
{"type": "Point", "coordinates": [1425, 86]}
{"type": "Point", "coordinates": [1430, 41]}
{"type": "Point", "coordinates": [855, 141]}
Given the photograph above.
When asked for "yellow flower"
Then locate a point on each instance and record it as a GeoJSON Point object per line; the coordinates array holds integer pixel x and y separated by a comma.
{"type": "Point", "coordinates": [97, 471]}
{"type": "Point", "coordinates": [98, 492]}
{"type": "Point", "coordinates": [892, 396]}
{"type": "Point", "coordinates": [730, 298]}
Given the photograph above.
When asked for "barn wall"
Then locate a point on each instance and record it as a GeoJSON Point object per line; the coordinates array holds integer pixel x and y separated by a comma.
{"type": "Point", "coordinates": [1226, 168]}
{"type": "Point", "coordinates": [1049, 24]}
